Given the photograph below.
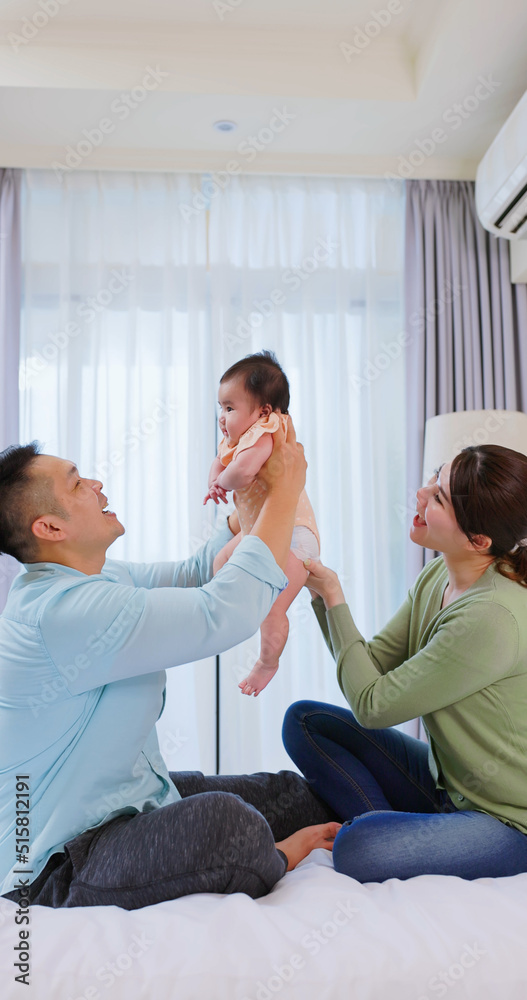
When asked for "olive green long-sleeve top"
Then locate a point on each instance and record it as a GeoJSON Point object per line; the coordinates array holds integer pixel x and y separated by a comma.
{"type": "Point", "coordinates": [463, 669]}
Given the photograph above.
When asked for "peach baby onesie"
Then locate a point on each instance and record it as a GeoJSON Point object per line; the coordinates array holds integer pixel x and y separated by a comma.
{"type": "Point", "coordinates": [249, 500]}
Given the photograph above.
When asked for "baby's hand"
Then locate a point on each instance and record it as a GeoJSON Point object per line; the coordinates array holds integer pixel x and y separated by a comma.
{"type": "Point", "coordinates": [216, 493]}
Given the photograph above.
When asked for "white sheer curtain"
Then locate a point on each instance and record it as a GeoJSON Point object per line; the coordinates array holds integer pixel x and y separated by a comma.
{"type": "Point", "coordinates": [126, 389]}
{"type": "Point", "coordinates": [10, 184]}
{"type": "Point", "coordinates": [159, 307]}
{"type": "Point", "coordinates": [312, 268]}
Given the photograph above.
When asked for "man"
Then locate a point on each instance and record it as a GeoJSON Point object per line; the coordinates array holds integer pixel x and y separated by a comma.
{"type": "Point", "coordinates": [88, 812]}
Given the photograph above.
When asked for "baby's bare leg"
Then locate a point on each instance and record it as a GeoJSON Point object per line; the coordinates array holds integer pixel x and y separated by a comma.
{"type": "Point", "coordinates": [274, 630]}
{"type": "Point", "coordinates": [225, 553]}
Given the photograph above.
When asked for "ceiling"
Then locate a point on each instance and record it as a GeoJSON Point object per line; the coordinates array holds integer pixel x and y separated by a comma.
{"type": "Point", "coordinates": [400, 87]}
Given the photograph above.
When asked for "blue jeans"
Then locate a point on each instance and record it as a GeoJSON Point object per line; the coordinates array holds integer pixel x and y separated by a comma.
{"type": "Point", "coordinates": [397, 824]}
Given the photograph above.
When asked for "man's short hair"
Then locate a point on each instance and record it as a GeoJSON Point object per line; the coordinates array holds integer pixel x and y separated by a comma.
{"type": "Point", "coordinates": [23, 497]}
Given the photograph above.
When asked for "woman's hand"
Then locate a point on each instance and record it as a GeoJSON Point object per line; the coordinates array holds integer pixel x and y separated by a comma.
{"type": "Point", "coordinates": [285, 469]}
{"type": "Point", "coordinates": [300, 844]}
{"type": "Point", "coordinates": [325, 582]}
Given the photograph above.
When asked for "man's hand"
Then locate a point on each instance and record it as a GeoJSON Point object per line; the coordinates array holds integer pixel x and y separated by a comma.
{"type": "Point", "coordinates": [234, 522]}
{"type": "Point", "coordinates": [300, 844]}
{"type": "Point", "coordinates": [282, 477]}
{"type": "Point", "coordinates": [285, 469]}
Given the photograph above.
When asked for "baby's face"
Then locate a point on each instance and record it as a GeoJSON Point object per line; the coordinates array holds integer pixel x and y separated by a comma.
{"type": "Point", "coordinates": [238, 410]}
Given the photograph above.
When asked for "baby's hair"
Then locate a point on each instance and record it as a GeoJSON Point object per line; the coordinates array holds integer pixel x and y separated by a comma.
{"type": "Point", "coordinates": [263, 379]}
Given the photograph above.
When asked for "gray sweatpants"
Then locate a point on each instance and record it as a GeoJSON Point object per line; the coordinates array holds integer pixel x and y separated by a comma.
{"type": "Point", "coordinates": [219, 838]}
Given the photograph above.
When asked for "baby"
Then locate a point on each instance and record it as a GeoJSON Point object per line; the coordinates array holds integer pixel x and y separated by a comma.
{"type": "Point", "coordinates": [254, 401]}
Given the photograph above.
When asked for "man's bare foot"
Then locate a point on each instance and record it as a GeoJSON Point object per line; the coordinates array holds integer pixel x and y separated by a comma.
{"type": "Point", "coordinates": [258, 678]}
{"type": "Point", "coordinates": [300, 844]}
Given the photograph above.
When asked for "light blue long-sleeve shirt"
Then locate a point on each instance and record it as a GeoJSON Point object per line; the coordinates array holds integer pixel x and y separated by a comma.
{"type": "Point", "coordinates": [82, 683]}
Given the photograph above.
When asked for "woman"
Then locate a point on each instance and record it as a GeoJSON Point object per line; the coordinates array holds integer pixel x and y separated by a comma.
{"type": "Point", "coordinates": [456, 654]}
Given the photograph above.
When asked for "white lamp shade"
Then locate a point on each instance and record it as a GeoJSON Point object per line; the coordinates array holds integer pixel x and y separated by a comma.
{"type": "Point", "coordinates": [447, 434]}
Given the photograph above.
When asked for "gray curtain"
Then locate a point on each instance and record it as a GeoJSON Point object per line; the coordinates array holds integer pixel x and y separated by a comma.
{"type": "Point", "coordinates": [467, 324]}
{"type": "Point", "coordinates": [10, 285]}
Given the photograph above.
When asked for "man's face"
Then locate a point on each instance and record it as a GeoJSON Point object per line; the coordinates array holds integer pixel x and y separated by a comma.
{"type": "Point", "coordinates": [87, 526]}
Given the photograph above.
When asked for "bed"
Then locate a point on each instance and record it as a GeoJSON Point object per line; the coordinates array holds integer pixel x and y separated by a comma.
{"type": "Point", "coordinates": [318, 935]}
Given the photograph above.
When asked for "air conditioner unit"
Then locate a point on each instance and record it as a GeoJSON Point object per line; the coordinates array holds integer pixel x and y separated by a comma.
{"type": "Point", "coordinates": [501, 188]}
{"type": "Point", "coordinates": [501, 179]}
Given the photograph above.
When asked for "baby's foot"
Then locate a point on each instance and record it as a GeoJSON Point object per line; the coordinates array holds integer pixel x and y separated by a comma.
{"type": "Point", "coordinates": [258, 678]}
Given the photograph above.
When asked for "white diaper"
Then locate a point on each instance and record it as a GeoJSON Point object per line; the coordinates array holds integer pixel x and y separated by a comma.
{"type": "Point", "coordinates": [304, 544]}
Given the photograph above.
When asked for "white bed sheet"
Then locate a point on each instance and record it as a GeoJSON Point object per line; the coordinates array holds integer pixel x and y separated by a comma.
{"type": "Point", "coordinates": [317, 936]}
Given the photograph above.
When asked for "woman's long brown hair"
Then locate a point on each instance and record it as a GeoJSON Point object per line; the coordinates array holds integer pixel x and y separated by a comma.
{"type": "Point", "coordinates": [488, 486]}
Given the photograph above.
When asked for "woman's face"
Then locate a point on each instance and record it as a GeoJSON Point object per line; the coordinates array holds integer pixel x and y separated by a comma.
{"type": "Point", "coordinates": [435, 525]}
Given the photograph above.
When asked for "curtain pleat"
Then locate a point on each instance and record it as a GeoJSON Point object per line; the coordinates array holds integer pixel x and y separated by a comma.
{"type": "Point", "coordinates": [469, 351]}
{"type": "Point", "coordinates": [335, 324]}
{"type": "Point", "coordinates": [116, 376]}
{"type": "Point", "coordinates": [10, 285]}
{"type": "Point", "coordinates": [136, 301]}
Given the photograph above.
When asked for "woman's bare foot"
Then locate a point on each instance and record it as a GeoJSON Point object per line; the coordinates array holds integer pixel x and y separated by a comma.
{"type": "Point", "coordinates": [300, 844]}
